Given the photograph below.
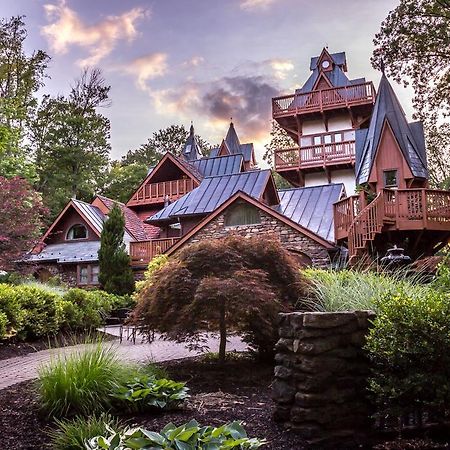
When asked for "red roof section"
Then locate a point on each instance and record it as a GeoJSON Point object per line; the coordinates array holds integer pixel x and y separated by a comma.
{"type": "Point", "coordinates": [140, 230]}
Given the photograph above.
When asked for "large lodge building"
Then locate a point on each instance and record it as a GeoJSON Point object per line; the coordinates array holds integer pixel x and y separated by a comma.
{"type": "Point", "coordinates": [359, 180]}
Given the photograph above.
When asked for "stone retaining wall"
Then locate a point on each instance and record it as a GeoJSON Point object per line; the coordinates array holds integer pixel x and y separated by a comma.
{"type": "Point", "coordinates": [320, 387]}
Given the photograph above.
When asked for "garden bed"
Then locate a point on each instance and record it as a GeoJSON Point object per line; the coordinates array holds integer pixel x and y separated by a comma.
{"type": "Point", "coordinates": [238, 391]}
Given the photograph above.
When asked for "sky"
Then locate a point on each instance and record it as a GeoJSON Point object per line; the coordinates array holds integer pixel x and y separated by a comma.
{"type": "Point", "coordinates": [177, 61]}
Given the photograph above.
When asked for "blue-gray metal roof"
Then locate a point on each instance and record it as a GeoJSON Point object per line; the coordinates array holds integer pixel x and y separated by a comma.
{"type": "Point", "coordinates": [94, 216]}
{"type": "Point", "coordinates": [408, 136]}
{"type": "Point", "coordinates": [191, 149]}
{"type": "Point", "coordinates": [212, 192]}
{"type": "Point", "coordinates": [219, 165]}
{"type": "Point", "coordinates": [68, 252]}
{"type": "Point", "coordinates": [338, 58]}
{"type": "Point", "coordinates": [311, 207]}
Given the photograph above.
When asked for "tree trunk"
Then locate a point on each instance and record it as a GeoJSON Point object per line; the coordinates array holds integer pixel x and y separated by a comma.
{"type": "Point", "coordinates": [223, 333]}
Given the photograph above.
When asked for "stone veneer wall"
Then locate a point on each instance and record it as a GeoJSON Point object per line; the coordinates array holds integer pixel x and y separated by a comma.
{"type": "Point", "coordinates": [67, 272]}
{"type": "Point", "coordinates": [320, 387]}
{"type": "Point", "coordinates": [290, 238]}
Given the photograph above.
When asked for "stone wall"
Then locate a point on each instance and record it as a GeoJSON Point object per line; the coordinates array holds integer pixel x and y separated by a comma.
{"type": "Point", "coordinates": [290, 238]}
{"type": "Point", "coordinates": [67, 272]}
{"type": "Point", "coordinates": [320, 387]}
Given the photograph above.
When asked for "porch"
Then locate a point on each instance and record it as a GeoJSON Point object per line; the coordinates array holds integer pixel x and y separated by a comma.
{"type": "Point", "coordinates": [142, 252]}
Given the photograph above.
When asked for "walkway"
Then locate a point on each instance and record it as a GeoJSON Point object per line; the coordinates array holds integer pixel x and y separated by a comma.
{"type": "Point", "coordinates": [22, 368]}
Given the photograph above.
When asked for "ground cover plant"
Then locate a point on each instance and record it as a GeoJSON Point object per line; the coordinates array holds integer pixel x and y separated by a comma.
{"type": "Point", "coordinates": [189, 436]}
{"type": "Point", "coordinates": [227, 285]}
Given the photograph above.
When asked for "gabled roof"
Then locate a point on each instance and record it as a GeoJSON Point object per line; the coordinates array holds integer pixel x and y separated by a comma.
{"type": "Point", "coordinates": [312, 207]}
{"type": "Point", "coordinates": [212, 192]}
{"type": "Point", "coordinates": [219, 165]}
{"type": "Point", "coordinates": [191, 150]}
{"type": "Point", "coordinates": [240, 195]}
{"type": "Point", "coordinates": [409, 137]}
{"type": "Point", "coordinates": [338, 58]}
{"type": "Point", "coordinates": [68, 252]}
{"type": "Point", "coordinates": [139, 230]}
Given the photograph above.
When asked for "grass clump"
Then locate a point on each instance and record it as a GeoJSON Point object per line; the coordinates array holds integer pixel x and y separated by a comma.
{"type": "Point", "coordinates": [73, 434]}
{"type": "Point", "coordinates": [350, 290]}
{"type": "Point", "coordinates": [80, 383]}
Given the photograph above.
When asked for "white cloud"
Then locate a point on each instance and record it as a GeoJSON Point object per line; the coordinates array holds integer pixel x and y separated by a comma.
{"type": "Point", "coordinates": [281, 67]}
{"type": "Point", "coordinates": [194, 61]}
{"type": "Point", "coordinates": [66, 29]}
{"type": "Point", "coordinates": [250, 5]}
{"type": "Point", "coordinates": [147, 68]}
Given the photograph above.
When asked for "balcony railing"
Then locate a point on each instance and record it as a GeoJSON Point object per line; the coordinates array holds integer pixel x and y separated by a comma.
{"type": "Point", "coordinates": [336, 153]}
{"type": "Point", "coordinates": [143, 252]}
{"type": "Point", "coordinates": [316, 101]}
{"type": "Point", "coordinates": [157, 192]}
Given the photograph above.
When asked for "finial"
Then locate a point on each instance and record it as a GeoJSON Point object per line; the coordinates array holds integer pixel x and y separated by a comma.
{"type": "Point", "coordinates": [382, 67]}
{"type": "Point", "coordinates": [191, 129]}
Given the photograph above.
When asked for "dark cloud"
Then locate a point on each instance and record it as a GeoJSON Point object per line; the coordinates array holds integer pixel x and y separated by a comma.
{"type": "Point", "coordinates": [247, 99]}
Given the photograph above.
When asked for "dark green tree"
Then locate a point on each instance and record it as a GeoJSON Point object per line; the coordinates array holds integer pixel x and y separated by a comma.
{"type": "Point", "coordinates": [21, 76]}
{"type": "Point", "coordinates": [116, 276]}
{"type": "Point", "coordinates": [70, 139]}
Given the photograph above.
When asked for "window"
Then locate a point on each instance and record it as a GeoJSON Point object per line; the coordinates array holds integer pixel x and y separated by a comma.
{"type": "Point", "coordinates": [242, 215]}
{"type": "Point", "coordinates": [87, 274]}
{"type": "Point", "coordinates": [77, 232]}
{"type": "Point", "coordinates": [390, 178]}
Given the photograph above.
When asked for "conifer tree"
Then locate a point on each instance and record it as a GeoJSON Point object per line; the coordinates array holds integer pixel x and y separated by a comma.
{"type": "Point", "coordinates": [115, 275]}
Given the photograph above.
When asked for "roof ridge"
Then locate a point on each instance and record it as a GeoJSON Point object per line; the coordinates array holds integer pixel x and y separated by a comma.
{"type": "Point", "coordinates": [310, 187]}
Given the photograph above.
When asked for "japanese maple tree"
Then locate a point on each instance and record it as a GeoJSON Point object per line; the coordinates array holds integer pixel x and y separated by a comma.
{"type": "Point", "coordinates": [21, 213]}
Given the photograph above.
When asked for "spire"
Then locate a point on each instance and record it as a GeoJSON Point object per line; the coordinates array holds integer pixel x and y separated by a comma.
{"type": "Point", "coordinates": [191, 150]}
{"type": "Point", "coordinates": [409, 137]}
{"type": "Point", "coordinates": [232, 139]}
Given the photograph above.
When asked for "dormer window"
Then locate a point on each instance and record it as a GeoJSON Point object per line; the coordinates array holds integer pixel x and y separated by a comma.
{"type": "Point", "coordinates": [77, 232]}
{"type": "Point", "coordinates": [390, 178]}
{"type": "Point", "coordinates": [242, 214]}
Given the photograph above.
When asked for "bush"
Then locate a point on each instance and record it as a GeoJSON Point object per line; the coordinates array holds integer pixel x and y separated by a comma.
{"type": "Point", "coordinates": [188, 436]}
{"type": "Point", "coordinates": [10, 308]}
{"type": "Point", "coordinates": [73, 434]}
{"type": "Point", "coordinates": [408, 346]}
{"type": "Point", "coordinates": [144, 392]}
{"type": "Point", "coordinates": [227, 285]}
{"type": "Point", "coordinates": [81, 382]}
{"type": "Point", "coordinates": [349, 290]}
{"type": "Point", "coordinates": [3, 325]}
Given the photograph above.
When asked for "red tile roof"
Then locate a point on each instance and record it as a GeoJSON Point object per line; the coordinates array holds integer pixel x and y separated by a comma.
{"type": "Point", "coordinates": [140, 230]}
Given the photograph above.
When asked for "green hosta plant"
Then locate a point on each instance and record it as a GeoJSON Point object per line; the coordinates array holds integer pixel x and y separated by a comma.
{"type": "Point", "coordinates": [147, 391]}
{"type": "Point", "coordinates": [190, 436]}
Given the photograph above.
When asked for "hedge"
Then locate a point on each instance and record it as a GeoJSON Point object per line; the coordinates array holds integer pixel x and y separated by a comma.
{"type": "Point", "coordinates": [33, 311]}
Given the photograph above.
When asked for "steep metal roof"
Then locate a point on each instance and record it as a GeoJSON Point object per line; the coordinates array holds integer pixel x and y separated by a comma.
{"type": "Point", "coordinates": [338, 58]}
{"type": "Point", "coordinates": [68, 252]}
{"type": "Point", "coordinates": [94, 216]}
{"type": "Point", "coordinates": [191, 150]}
{"type": "Point", "coordinates": [232, 140]}
{"type": "Point", "coordinates": [311, 207]}
{"type": "Point", "coordinates": [408, 136]}
{"type": "Point", "coordinates": [219, 165]}
{"type": "Point", "coordinates": [212, 192]}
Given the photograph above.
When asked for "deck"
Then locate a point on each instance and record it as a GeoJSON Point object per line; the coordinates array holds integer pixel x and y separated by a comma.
{"type": "Point", "coordinates": [391, 210]}
{"type": "Point", "coordinates": [316, 156]}
{"type": "Point", "coordinates": [322, 100]}
{"type": "Point", "coordinates": [154, 193]}
{"type": "Point", "coordinates": [142, 252]}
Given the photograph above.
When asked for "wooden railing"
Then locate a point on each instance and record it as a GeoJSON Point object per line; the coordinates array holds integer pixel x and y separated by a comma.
{"type": "Point", "coordinates": [157, 192]}
{"type": "Point", "coordinates": [316, 155]}
{"type": "Point", "coordinates": [345, 211]}
{"type": "Point", "coordinates": [323, 99]}
{"type": "Point", "coordinates": [144, 251]}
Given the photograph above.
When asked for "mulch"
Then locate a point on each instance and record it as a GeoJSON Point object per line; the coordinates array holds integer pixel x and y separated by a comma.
{"type": "Point", "coordinates": [238, 391]}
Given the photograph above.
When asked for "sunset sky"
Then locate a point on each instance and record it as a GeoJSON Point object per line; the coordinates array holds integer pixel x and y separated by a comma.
{"type": "Point", "coordinates": [173, 61]}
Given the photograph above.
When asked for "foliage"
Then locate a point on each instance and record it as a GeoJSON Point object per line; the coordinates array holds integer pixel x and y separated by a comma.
{"type": "Point", "coordinates": [170, 139]}
{"type": "Point", "coordinates": [115, 272]}
{"type": "Point", "coordinates": [153, 266]}
{"type": "Point", "coordinates": [190, 436]}
{"type": "Point", "coordinates": [122, 180]}
{"type": "Point", "coordinates": [20, 78]}
{"type": "Point", "coordinates": [441, 281]}
{"type": "Point", "coordinates": [408, 346]}
{"type": "Point", "coordinates": [438, 153]}
{"type": "Point", "coordinates": [11, 311]}
{"type": "Point", "coordinates": [70, 140]}
{"type": "Point", "coordinates": [72, 434]}
{"type": "Point", "coordinates": [80, 382]}
{"type": "Point", "coordinates": [226, 285]}
{"type": "Point", "coordinates": [20, 211]}
{"type": "Point", "coordinates": [349, 290]}
{"type": "Point", "coordinates": [279, 139]}
{"type": "Point", "coordinates": [145, 391]}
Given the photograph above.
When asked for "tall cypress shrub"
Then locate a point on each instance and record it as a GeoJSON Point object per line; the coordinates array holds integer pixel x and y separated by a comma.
{"type": "Point", "coordinates": [115, 274]}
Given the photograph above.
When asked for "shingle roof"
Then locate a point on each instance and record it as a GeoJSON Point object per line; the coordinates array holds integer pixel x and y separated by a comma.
{"type": "Point", "coordinates": [311, 207]}
{"type": "Point", "coordinates": [219, 165]}
{"type": "Point", "coordinates": [408, 136]}
{"type": "Point", "coordinates": [68, 252]}
{"type": "Point", "coordinates": [212, 192]}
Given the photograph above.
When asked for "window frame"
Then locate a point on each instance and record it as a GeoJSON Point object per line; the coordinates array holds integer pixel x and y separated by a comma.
{"type": "Point", "coordinates": [235, 209]}
{"type": "Point", "coordinates": [385, 178]}
{"type": "Point", "coordinates": [89, 274]}
{"type": "Point", "coordinates": [77, 239]}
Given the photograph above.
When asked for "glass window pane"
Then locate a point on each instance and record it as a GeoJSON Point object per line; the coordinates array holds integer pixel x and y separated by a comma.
{"type": "Point", "coordinates": [390, 178]}
{"type": "Point", "coordinates": [83, 275]}
{"type": "Point", "coordinates": [94, 274]}
{"type": "Point", "coordinates": [242, 215]}
{"type": "Point", "coordinates": [338, 137]}
{"type": "Point", "coordinates": [327, 139]}
{"type": "Point", "coordinates": [77, 232]}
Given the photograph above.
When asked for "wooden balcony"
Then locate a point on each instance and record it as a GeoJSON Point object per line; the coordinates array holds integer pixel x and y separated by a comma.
{"type": "Point", "coordinates": [316, 156]}
{"type": "Point", "coordinates": [141, 253]}
{"type": "Point", "coordinates": [322, 100]}
{"type": "Point", "coordinates": [153, 193]}
{"type": "Point", "coordinates": [392, 210]}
